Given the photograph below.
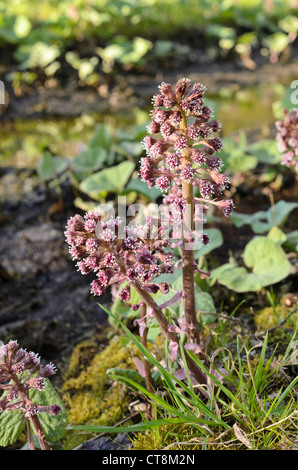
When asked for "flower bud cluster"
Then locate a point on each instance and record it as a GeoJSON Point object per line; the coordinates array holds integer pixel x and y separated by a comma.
{"type": "Point", "coordinates": [117, 253]}
{"type": "Point", "coordinates": [21, 371]}
{"type": "Point", "coordinates": [181, 147]}
{"type": "Point", "coordinates": [287, 138]}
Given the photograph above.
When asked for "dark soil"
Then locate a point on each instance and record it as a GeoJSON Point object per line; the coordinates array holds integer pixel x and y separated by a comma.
{"type": "Point", "coordinates": [44, 302]}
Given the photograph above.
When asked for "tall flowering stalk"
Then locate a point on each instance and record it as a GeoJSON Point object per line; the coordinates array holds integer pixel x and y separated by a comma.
{"type": "Point", "coordinates": [182, 158]}
{"type": "Point", "coordinates": [182, 162]}
{"type": "Point", "coordinates": [21, 371]}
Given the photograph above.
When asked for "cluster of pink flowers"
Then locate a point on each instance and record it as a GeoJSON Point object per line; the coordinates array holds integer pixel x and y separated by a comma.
{"type": "Point", "coordinates": [287, 137]}
{"type": "Point", "coordinates": [181, 146]}
{"type": "Point", "coordinates": [19, 371]}
{"type": "Point", "coordinates": [118, 254]}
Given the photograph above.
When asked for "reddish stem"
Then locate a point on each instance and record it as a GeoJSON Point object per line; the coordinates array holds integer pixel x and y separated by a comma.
{"type": "Point", "coordinates": [193, 333]}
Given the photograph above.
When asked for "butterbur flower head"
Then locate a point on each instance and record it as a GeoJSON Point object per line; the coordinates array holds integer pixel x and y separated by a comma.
{"type": "Point", "coordinates": [287, 138]}
{"type": "Point", "coordinates": [21, 371]}
{"type": "Point", "coordinates": [181, 143]}
{"type": "Point", "coordinates": [163, 183]}
{"type": "Point", "coordinates": [54, 410]}
{"type": "Point", "coordinates": [124, 294]}
{"type": "Point", "coordinates": [104, 252]}
{"type": "Point", "coordinates": [97, 288]}
{"type": "Point", "coordinates": [38, 383]}
{"type": "Point", "coordinates": [182, 87]}
{"type": "Point", "coordinates": [226, 206]}
{"type": "Point", "coordinates": [187, 173]}
{"type": "Point", "coordinates": [184, 148]}
{"type": "Point", "coordinates": [48, 370]}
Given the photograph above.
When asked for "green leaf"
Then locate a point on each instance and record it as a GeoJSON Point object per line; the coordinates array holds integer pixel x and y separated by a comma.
{"type": "Point", "coordinates": [277, 235]}
{"type": "Point", "coordinates": [12, 424]}
{"type": "Point", "coordinates": [289, 24]}
{"type": "Point", "coordinates": [215, 240]}
{"type": "Point", "coordinates": [234, 155]}
{"type": "Point", "coordinates": [219, 31]}
{"type": "Point", "coordinates": [291, 242]}
{"type": "Point", "coordinates": [139, 186]}
{"type": "Point", "coordinates": [132, 149]}
{"type": "Point", "coordinates": [265, 150]}
{"type": "Point", "coordinates": [39, 54]}
{"type": "Point", "coordinates": [267, 262]}
{"type": "Point", "coordinates": [205, 305]}
{"type": "Point", "coordinates": [263, 221]}
{"type": "Point", "coordinates": [110, 179]}
{"type": "Point", "coordinates": [49, 167]}
{"type": "Point", "coordinates": [101, 138]}
{"type": "Point", "coordinates": [90, 159]}
{"type": "Point", "coordinates": [236, 278]}
{"type": "Point", "coordinates": [258, 221]}
{"type": "Point", "coordinates": [276, 42]}
{"type": "Point", "coordinates": [22, 26]}
{"type": "Point", "coordinates": [53, 426]}
{"type": "Point", "coordinates": [124, 51]}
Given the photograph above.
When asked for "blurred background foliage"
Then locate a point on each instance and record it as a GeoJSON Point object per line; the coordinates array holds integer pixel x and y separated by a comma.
{"type": "Point", "coordinates": [93, 37]}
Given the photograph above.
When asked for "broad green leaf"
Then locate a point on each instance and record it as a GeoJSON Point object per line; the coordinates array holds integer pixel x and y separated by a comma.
{"type": "Point", "coordinates": [141, 187]}
{"type": "Point", "coordinates": [289, 101]}
{"type": "Point", "coordinates": [171, 278]}
{"type": "Point", "coordinates": [266, 262]}
{"type": "Point", "coordinates": [291, 242]}
{"type": "Point", "coordinates": [219, 31]}
{"type": "Point", "coordinates": [281, 211]}
{"type": "Point", "coordinates": [236, 278]}
{"type": "Point", "coordinates": [265, 150]}
{"type": "Point", "coordinates": [90, 159]}
{"type": "Point", "coordinates": [110, 179]}
{"type": "Point", "coordinates": [263, 221]}
{"type": "Point", "coordinates": [125, 51]}
{"type": "Point", "coordinates": [276, 42]}
{"type": "Point", "coordinates": [133, 149]}
{"type": "Point", "coordinates": [50, 167]}
{"type": "Point", "coordinates": [234, 155]}
{"type": "Point", "coordinates": [53, 426]}
{"type": "Point", "coordinates": [22, 26]}
{"type": "Point", "coordinates": [12, 423]}
{"type": "Point", "coordinates": [102, 138]}
{"type": "Point", "coordinates": [39, 54]}
{"type": "Point", "coordinates": [204, 302]}
{"type": "Point", "coordinates": [289, 24]}
{"type": "Point", "coordinates": [277, 235]}
{"type": "Point", "coordinates": [215, 240]}
{"type": "Point", "coordinates": [205, 305]}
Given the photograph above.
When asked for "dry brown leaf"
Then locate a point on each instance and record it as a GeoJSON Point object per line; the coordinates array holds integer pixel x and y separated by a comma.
{"type": "Point", "coordinates": [241, 436]}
